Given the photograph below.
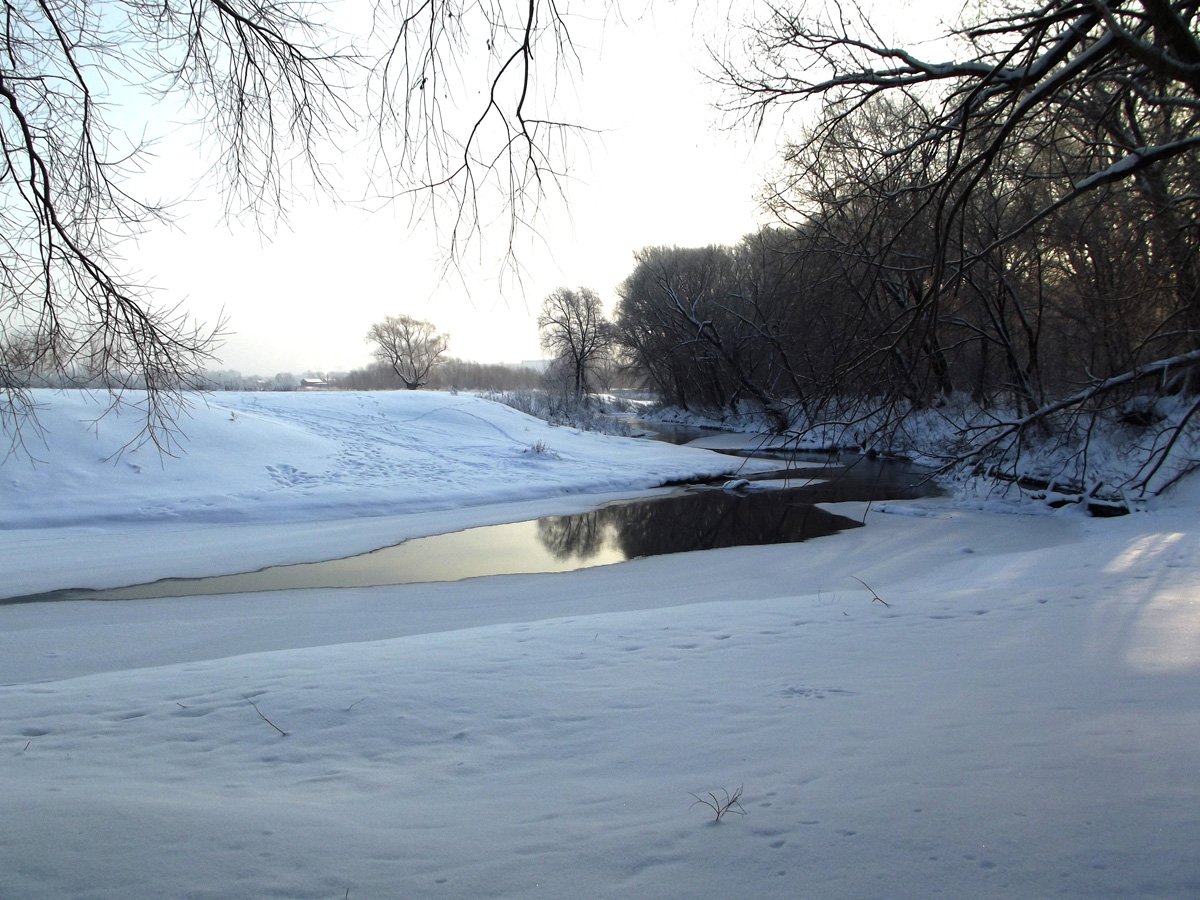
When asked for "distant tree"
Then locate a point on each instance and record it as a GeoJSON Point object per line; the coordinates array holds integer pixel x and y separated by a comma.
{"type": "Point", "coordinates": [575, 332]}
{"type": "Point", "coordinates": [228, 380]}
{"type": "Point", "coordinates": [410, 346]}
{"type": "Point", "coordinates": [450, 374]}
{"type": "Point", "coordinates": [458, 374]}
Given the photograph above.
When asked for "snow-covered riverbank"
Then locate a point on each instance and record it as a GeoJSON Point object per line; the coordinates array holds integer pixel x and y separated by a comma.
{"type": "Point", "coordinates": [270, 478]}
{"type": "Point", "coordinates": [1020, 720]}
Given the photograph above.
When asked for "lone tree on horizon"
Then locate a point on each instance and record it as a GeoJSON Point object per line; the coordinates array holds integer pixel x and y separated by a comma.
{"type": "Point", "coordinates": [575, 331]}
{"type": "Point", "coordinates": [410, 346]}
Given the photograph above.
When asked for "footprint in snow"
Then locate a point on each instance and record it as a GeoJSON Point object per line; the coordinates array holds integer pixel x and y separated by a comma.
{"type": "Point", "coordinates": [289, 476]}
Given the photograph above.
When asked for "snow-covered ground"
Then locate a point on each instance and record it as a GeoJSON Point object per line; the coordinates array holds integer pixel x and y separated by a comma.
{"type": "Point", "coordinates": [1021, 719]}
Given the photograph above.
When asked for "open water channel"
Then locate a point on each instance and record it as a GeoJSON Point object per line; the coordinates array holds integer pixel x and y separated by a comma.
{"type": "Point", "coordinates": [776, 507]}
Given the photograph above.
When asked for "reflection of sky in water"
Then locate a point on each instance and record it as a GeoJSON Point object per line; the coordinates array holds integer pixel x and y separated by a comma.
{"type": "Point", "coordinates": [690, 519]}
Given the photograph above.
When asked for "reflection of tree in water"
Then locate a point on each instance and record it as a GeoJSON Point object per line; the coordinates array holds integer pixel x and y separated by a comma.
{"type": "Point", "coordinates": [696, 521]}
{"type": "Point", "coordinates": [580, 536]}
{"type": "Point", "coordinates": [704, 520]}
{"type": "Point", "coordinates": [711, 519]}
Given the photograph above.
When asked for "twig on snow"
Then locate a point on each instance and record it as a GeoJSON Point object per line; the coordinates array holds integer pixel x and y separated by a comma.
{"type": "Point", "coordinates": [264, 718]}
{"type": "Point", "coordinates": [871, 589]}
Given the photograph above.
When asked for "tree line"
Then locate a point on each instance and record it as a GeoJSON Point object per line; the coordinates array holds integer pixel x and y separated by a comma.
{"type": "Point", "coordinates": [1018, 225]}
{"type": "Point", "coordinates": [450, 374]}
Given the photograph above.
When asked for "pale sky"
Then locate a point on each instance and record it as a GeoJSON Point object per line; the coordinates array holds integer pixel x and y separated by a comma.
{"type": "Point", "coordinates": [303, 296]}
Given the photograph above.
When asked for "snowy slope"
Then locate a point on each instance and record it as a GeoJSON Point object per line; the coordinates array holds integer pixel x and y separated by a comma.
{"type": "Point", "coordinates": [285, 456]}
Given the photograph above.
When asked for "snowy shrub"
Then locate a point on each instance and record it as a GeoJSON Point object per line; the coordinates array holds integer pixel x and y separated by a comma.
{"type": "Point", "coordinates": [590, 414]}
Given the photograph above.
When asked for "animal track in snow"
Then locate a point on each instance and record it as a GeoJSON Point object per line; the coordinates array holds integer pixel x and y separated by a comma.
{"type": "Point", "coordinates": [811, 693]}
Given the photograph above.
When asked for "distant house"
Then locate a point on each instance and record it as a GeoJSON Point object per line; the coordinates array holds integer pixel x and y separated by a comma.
{"type": "Point", "coordinates": [314, 384]}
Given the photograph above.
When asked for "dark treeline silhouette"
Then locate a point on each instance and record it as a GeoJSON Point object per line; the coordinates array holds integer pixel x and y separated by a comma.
{"type": "Point", "coordinates": [1011, 235]}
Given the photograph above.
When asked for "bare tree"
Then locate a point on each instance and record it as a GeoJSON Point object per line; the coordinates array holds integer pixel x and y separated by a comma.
{"type": "Point", "coordinates": [575, 331]}
{"type": "Point", "coordinates": [410, 346]}
{"type": "Point", "coordinates": [467, 92]}
{"type": "Point", "coordinates": [717, 325]}
{"type": "Point", "coordinates": [265, 91]}
{"type": "Point", "coordinates": [456, 104]}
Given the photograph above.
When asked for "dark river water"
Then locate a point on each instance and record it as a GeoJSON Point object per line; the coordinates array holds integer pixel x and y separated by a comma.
{"type": "Point", "coordinates": [778, 507]}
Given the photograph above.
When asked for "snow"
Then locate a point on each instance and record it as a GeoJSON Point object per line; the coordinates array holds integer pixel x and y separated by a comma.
{"type": "Point", "coordinates": [1020, 720]}
{"type": "Point", "coordinates": [272, 478]}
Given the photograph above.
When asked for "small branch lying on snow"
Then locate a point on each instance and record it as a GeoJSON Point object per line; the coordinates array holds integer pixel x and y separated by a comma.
{"type": "Point", "coordinates": [723, 804]}
{"type": "Point", "coordinates": [264, 718]}
{"type": "Point", "coordinates": [871, 589]}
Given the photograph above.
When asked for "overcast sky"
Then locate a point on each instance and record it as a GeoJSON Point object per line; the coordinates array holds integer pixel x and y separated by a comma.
{"type": "Point", "coordinates": [302, 296]}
